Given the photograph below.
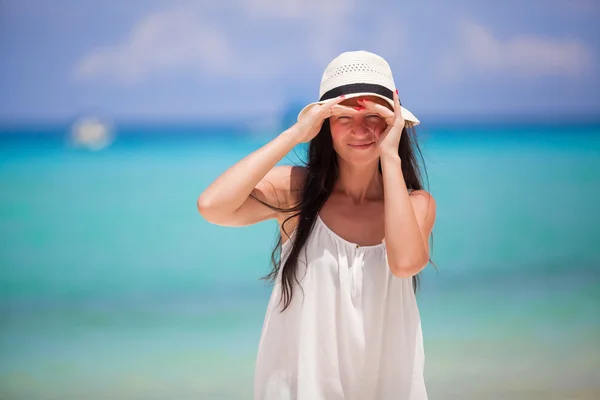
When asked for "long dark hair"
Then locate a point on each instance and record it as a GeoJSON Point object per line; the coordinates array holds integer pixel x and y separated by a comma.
{"type": "Point", "coordinates": [321, 175]}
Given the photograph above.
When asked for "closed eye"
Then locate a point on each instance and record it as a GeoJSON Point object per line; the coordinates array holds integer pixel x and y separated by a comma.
{"type": "Point", "coordinates": [370, 118]}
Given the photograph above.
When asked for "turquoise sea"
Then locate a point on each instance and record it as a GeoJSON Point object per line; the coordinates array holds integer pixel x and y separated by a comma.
{"type": "Point", "coordinates": [112, 286]}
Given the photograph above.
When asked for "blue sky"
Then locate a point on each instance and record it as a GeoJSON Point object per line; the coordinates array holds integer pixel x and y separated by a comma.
{"type": "Point", "coordinates": [194, 60]}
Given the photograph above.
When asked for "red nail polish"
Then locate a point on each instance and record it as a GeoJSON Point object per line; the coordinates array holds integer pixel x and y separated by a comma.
{"type": "Point", "coordinates": [396, 91]}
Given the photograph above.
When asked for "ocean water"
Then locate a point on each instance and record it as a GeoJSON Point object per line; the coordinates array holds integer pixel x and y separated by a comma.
{"type": "Point", "coordinates": [112, 286]}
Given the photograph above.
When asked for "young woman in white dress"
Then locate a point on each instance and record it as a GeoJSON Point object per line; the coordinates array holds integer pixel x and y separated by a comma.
{"type": "Point", "coordinates": [342, 321]}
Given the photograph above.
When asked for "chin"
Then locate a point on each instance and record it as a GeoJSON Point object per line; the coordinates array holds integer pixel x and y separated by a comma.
{"type": "Point", "coordinates": [364, 159]}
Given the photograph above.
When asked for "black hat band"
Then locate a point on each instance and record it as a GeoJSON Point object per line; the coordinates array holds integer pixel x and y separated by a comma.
{"type": "Point", "coordinates": [358, 88]}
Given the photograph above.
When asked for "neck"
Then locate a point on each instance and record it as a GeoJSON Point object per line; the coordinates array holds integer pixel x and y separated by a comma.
{"type": "Point", "coordinates": [361, 183]}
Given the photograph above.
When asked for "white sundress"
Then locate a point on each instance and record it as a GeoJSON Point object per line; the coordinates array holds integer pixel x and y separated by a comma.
{"type": "Point", "coordinates": [352, 332]}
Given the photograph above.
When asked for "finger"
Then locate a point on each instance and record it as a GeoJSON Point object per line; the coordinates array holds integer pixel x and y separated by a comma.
{"type": "Point", "coordinates": [398, 108]}
{"type": "Point", "coordinates": [325, 108]}
{"type": "Point", "coordinates": [388, 115]}
{"type": "Point", "coordinates": [332, 102]}
{"type": "Point", "coordinates": [340, 109]}
{"type": "Point", "coordinates": [380, 109]}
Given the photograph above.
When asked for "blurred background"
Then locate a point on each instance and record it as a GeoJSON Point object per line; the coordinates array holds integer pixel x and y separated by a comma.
{"type": "Point", "coordinates": [115, 116]}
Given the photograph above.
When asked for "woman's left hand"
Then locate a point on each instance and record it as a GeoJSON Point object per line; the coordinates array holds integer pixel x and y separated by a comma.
{"type": "Point", "coordinates": [390, 137]}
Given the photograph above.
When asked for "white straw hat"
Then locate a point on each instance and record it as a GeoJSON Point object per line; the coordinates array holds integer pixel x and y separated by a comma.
{"type": "Point", "coordinates": [359, 73]}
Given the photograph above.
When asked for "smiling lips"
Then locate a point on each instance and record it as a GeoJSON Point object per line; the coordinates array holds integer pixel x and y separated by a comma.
{"type": "Point", "coordinates": [361, 146]}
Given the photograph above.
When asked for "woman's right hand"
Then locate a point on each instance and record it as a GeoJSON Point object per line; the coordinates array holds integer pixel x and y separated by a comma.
{"type": "Point", "coordinates": [231, 200]}
{"type": "Point", "coordinates": [311, 122]}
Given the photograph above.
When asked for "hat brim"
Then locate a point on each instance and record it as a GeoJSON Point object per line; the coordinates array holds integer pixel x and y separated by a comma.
{"type": "Point", "coordinates": [406, 114]}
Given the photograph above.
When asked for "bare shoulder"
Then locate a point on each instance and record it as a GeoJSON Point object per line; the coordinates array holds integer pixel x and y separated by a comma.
{"type": "Point", "coordinates": [287, 181]}
{"type": "Point", "coordinates": [421, 193]}
{"type": "Point", "coordinates": [282, 186]}
{"type": "Point", "coordinates": [423, 204]}
{"type": "Point", "coordinates": [292, 180]}
{"type": "Point", "coordinates": [421, 196]}
{"type": "Point", "coordinates": [298, 175]}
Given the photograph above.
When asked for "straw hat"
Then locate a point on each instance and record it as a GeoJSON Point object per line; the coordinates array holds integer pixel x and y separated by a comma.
{"type": "Point", "coordinates": [359, 73]}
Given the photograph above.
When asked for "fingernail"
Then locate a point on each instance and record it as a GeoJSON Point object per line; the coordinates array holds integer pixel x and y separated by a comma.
{"type": "Point", "coordinates": [396, 91]}
{"type": "Point", "coordinates": [342, 96]}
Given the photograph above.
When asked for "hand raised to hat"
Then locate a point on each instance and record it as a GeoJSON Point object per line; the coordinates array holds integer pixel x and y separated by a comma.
{"type": "Point", "coordinates": [310, 124]}
{"type": "Point", "coordinates": [390, 137]}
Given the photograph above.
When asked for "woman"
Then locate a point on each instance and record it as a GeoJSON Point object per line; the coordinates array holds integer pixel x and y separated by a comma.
{"type": "Point", "coordinates": [352, 328]}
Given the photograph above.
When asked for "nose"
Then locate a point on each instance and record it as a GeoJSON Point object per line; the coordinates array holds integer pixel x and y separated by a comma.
{"type": "Point", "coordinates": [360, 128]}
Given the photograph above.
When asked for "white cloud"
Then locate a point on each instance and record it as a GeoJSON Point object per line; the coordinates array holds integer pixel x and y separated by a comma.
{"type": "Point", "coordinates": [194, 37]}
{"type": "Point", "coordinates": [161, 41]}
{"type": "Point", "coordinates": [324, 24]}
{"type": "Point", "coordinates": [524, 55]}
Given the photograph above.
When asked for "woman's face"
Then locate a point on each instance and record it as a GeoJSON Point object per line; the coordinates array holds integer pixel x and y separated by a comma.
{"type": "Point", "coordinates": [355, 136]}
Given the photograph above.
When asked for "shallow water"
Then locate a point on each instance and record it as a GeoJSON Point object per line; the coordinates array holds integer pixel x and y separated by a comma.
{"type": "Point", "coordinates": [113, 286]}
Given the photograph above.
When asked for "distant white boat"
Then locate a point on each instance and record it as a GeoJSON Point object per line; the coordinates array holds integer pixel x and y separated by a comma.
{"type": "Point", "coordinates": [91, 133]}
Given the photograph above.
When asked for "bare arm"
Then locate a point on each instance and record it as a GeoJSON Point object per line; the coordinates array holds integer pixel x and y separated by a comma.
{"type": "Point", "coordinates": [227, 200]}
{"type": "Point", "coordinates": [409, 220]}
